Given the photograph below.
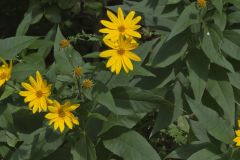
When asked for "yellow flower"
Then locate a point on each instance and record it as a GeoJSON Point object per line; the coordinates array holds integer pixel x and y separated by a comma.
{"type": "Point", "coordinates": [237, 139]}
{"type": "Point", "coordinates": [121, 26]}
{"type": "Point", "coordinates": [120, 54]}
{"type": "Point", "coordinates": [78, 71]}
{"type": "Point", "coordinates": [202, 3]}
{"type": "Point", "coordinates": [5, 71]}
{"type": "Point", "coordinates": [87, 84]}
{"type": "Point", "coordinates": [64, 43]}
{"type": "Point", "coordinates": [37, 93]}
{"type": "Point", "coordinates": [62, 114]}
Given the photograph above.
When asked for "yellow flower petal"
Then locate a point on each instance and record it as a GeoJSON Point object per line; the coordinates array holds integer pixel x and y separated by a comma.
{"type": "Point", "coordinates": [120, 15]}
{"type": "Point", "coordinates": [61, 124]}
{"type": "Point", "coordinates": [111, 61]}
{"type": "Point", "coordinates": [118, 65]}
{"type": "Point", "coordinates": [133, 56]}
{"type": "Point", "coordinates": [128, 62]}
{"type": "Point", "coordinates": [51, 116]}
{"type": "Point", "coordinates": [107, 53]}
{"type": "Point", "coordinates": [68, 122]}
{"type": "Point", "coordinates": [129, 17]}
{"type": "Point", "coordinates": [133, 33]}
{"type": "Point", "coordinates": [112, 17]}
{"type": "Point", "coordinates": [109, 24]}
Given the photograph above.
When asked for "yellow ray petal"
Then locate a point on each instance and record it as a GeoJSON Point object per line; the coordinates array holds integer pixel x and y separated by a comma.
{"type": "Point", "coordinates": [112, 17]}
{"type": "Point", "coordinates": [110, 43]}
{"type": "Point", "coordinates": [129, 17]}
{"type": "Point", "coordinates": [61, 124]}
{"type": "Point", "coordinates": [237, 133]}
{"type": "Point", "coordinates": [51, 116]}
{"type": "Point", "coordinates": [124, 66]}
{"type": "Point", "coordinates": [133, 33]}
{"type": "Point", "coordinates": [68, 122]}
{"type": "Point", "coordinates": [120, 15]}
{"type": "Point", "coordinates": [105, 30]}
{"type": "Point", "coordinates": [128, 62]}
{"type": "Point", "coordinates": [118, 65]}
{"type": "Point", "coordinates": [109, 24]}
{"type": "Point", "coordinates": [107, 53]}
{"type": "Point", "coordinates": [136, 20]}
{"type": "Point", "coordinates": [27, 86]}
{"type": "Point", "coordinates": [133, 56]}
{"type": "Point", "coordinates": [111, 61]}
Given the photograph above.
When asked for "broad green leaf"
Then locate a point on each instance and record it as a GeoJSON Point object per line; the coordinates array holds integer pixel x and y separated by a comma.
{"type": "Point", "coordinates": [188, 17]}
{"type": "Point", "coordinates": [10, 47]}
{"type": "Point", "coordinates": [218, 4]}
{"type": "Point", "coordinates": [169, 51]}
{"type": "Point", "coordinates": [204, 154]}
{"type": "Point", "coordinates": [185, 151]}
{"type": "Point", "coordinates": [216, 126]}
{"type": "Point", "coordinates": [199, 131]}
{"type": "Point", "coordinates": [213, 54]}
{"type": "Point", "coordinates": [31, 64]}
{"type": "Point", "coordinates": [8, 91]}
{"type": "Point", "coordinates": [221, 90]}
{"type": "Point", "coordinates": [24, 25]}
{"type": "Point", "coordinates": [198, 73]}
{"type": "Point", "coordinates": [83, 149]}
{"type": "Point", "coordinates": [234, 79]}
{"type": "Point", "coordinates": [37, 145]}
{"type": "Point", "coordinates": [131, 146]}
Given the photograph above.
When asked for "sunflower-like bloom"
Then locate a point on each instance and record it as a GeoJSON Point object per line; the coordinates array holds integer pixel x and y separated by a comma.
{"type": "Point", "coordinates": [37, 93]}
{"type": "Point", "coordinates": [120, 55]}
{"type": "Point", "coordinates": [5, 71]}
{"type": "Point", "coordinates": [87, 84]}
{"type": "Point", "coordinates": [78, 71]}
{"type": "Point", "coordinates": [202, 3]}
{"type": "Point", "coordinates": [121, 26]}
{"type": "Point", "coordinates": [61, 115]}
{"type": "Point", "coordinates": [237, 138]}
{"type": "Point", "coordinates": [64, 43]}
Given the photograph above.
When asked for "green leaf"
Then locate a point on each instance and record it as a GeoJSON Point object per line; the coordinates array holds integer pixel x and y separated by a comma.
{"type": "Point", "coordinates": [169, 51]}
{"type": "Point", "coordinates": [213, 54]}
{"type": "Point", "coordinates": [234, 79]}
{"type": "Point", "coordinates": [32, 63]}
{"type": "Point", "coordinates": [218, 4]}
{"type": "Point", "coordinates": [188, 17]}
{"type": "Point", "coordinates": [221, 90]}
{"type": "Point", "coordinates": [24, 25]}
{"type": "Point", "coordinates": [198, 66]}
{"type": "Point", "coordinates": [215, 125]}
{"type": "Point", "coordinates": [199, 131]}
{"type": "Point", "coordinates": [83, 149]}
{"type": "Point", "coordinates": [8, 91]}
{"type": "Point", "coordinates": [131, 146]}
{"type": "Point", "coordinates": [185, 151]}
{"type": "Point", "coordinates": [10, 47]}
{"type": "Point", "coordinates": [204, 154]}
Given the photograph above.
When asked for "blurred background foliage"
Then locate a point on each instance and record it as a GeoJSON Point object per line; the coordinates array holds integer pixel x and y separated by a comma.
{"type": "Point", "coordinates": [180, 102]}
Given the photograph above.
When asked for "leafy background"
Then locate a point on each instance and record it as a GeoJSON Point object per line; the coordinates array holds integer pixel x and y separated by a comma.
{"type": "Point", "coordinates": [180, 102]}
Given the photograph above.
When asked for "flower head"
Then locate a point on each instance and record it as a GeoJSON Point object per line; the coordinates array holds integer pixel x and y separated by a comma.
{"type": "Point", "coordinates": [5, 71]}
{"type": "Point", "coordinates": [78, 71]}
{"type": "Point", "coordinates": [121, 26]}
{"type": "Point", "coordinates": [87, 84]}
{"type": "Point", "coordinates": [64, 43]}
{"type": "Point", "coordinates": [202, 3]}
{"type": "Point", "coordinates": [61, 115]}
{"type": "Point", "coordinates": [237, 138]}
{"type": "Point", "coordinates": [37, 93]}
{"type": "Point", "coordinates": [120, 55]}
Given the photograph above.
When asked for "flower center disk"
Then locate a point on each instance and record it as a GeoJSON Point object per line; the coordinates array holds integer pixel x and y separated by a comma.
{"type": "Point", "coordinates": [121, 51]}
{"type": "Point", "coordinates": [39, 94]}
{"type": "Point", "coordinates": [3, 75]}
{"type": "Point", "coordinates": [61, 113]}
{"type": "Point", "coordinates": [121, 28]}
